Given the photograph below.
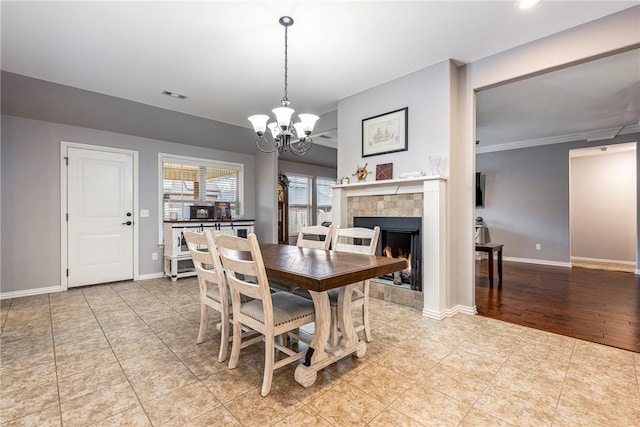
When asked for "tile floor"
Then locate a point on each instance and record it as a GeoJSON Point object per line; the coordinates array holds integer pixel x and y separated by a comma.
{"type": "Point", "coordinates": [125, 354]}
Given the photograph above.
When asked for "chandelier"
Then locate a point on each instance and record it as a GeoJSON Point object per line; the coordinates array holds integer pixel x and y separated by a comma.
{"type": "Point", "coordinates": [286, 134]}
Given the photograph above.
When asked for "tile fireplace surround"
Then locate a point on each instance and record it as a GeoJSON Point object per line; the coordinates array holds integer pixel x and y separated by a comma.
{"type": "Point", "coordinates": [415, 197]}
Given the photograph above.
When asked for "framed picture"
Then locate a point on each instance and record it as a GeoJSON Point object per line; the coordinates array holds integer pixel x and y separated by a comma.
{"type": "Point", "coordinates": [222, 210]}
{"type": "Point", "coordinates": [386, 133]}
{"type": "Point", "coordinates": [384, 171]}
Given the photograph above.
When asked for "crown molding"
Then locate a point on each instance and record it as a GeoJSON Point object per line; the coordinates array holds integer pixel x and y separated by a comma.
{"type": "Point", "coordinates": [597, 135]}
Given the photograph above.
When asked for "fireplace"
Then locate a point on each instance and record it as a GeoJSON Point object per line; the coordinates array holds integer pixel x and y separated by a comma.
{"type": "Point", "coordinates": [400, 237]}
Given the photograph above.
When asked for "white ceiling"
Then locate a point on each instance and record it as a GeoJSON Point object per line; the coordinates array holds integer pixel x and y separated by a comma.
{"type": "Point", "coordinates": [595, 100]}
{"type": "Point", "coordinates": [227, 57]}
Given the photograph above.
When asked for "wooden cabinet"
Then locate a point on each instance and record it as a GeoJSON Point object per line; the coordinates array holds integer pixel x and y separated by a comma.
{"type": "Point", "coordinates": [283, 210]}
{"type": "Point", "coordinates": [177, 259]}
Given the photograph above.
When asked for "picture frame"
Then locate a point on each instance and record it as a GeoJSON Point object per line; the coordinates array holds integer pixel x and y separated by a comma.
{"type": "Point", "coordinates": [385, 133]}
{"type": "Point", "coordinates": [384, 171]}
{"type": "Point", "coordinates": [222, 210]}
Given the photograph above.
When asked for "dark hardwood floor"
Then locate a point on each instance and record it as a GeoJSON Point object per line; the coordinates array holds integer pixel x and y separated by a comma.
{"type": "Point", "coordinates": [594, 305]}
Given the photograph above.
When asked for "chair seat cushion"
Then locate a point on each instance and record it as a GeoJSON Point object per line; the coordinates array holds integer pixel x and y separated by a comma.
{"type": "Point", "coordinates": [279, 286]}
{"type": "Point", "coordinates": [333, 294]}
{"type": "Point", "coordinates": [287, 307]}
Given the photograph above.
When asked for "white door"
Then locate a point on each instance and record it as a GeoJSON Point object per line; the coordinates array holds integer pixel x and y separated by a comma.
{"type": "Point", "coordinates": [100, 223]}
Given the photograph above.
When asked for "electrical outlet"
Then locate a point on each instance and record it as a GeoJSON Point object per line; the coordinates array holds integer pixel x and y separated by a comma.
{"type": "Point", "coordinates": [144, 213]}
{"type": "Point", "coordinates": [538, 247]}
{"type": "Point", "coordinates": [154, 256]}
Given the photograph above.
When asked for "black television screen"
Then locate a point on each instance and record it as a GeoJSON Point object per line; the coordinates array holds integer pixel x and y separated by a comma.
{"type": "Point", "coordinates": [479, 189]}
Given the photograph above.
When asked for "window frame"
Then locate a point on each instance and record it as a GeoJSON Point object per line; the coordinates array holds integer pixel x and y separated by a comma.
{"type": "Point", "coordinates": [194, 161]}
{"type": "Point", "coordinates": [316, 187]}
{"type": "Point", "coordinates": [309, 207]}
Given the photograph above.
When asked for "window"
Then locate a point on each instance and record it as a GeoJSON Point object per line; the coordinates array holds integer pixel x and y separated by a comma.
{"type": "Point", "coordinates": [189, 181]}
{"type": "Point", "coordinates": [323, 198]}
{"type": "Point", "coordinates": [299, 203]}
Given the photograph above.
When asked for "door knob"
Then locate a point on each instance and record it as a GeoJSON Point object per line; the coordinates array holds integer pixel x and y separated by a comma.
{"type": "Point", "coordinates": [127, 223]}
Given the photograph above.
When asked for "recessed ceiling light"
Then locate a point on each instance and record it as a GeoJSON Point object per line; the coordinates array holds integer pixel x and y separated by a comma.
{"type": "Point", "coordinates": [526, 4]}
{"type": "Point", "coordinates": [173, 94]}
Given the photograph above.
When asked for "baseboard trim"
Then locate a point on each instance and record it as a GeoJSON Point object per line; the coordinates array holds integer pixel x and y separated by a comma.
{"type": "Point", "coordinates": [159, 275]}
{"type": "Point", "coordinates": [449, 312]}
{"type": "Point", "coordinates": [538, 261]}
{"type": "Point", "coordinates": [29, 292]}
{"type": "Point", "coordinates": [604, 264]}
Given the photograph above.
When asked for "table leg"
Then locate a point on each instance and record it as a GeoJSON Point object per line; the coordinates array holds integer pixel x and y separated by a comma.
{"type": "Point", "coordinates": [500, 266]}
{"type": "Point", "coordinates": [490, 259]}
{"type": "Point", "coordinates": [317, 357]}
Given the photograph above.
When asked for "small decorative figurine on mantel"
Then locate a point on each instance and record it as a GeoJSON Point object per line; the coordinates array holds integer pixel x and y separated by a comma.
{"type": "Point", "coordinates": [361, 172]}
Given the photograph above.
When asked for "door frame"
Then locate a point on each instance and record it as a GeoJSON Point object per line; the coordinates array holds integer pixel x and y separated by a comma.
{"type": "Point", "coordinates": [64, 244]}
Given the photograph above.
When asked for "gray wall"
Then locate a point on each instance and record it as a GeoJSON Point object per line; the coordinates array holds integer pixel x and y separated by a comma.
{"type": "Point", "coordinates": [30, 172]}
{"type": "Point", "coordinates": [527, 198]}
{"type": "Point", "coordinates": [603, 206]}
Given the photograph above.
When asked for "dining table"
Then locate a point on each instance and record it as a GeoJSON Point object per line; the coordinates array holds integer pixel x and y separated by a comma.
{"type": "Point", "coordinates": [319, 271]}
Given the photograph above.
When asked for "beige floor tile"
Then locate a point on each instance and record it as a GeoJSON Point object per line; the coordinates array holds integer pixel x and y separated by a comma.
{"type": "Point", "coordinates": [579, 410]}
{"type": "Point", "coordinates": [392, 418]}
{"type": "Point", "coordinates": [74, 386]}
{"type": "Point", "coordinates": [484, 366]}
{"type": "Point", "coordinates": [89, 331]}
{"type": "Point", "coordinates": [529, 382]}
{"type": "Point", "coordinates": [407, 363]}
{"type": "Point", "coordinates": [518, 408]}
{"type": "Point", "coordinates": [460, 385]}
{"type": "Point", "coordinates": [430, 407]}
{"type": "Point", "coordinates": [98, 405]}
{"type": "Point", "coordinates": [542, 358]}
{"type": "Point", "coordinates": [464, 370]}
{"type": "Point", "coordinates": [228, 384]}
{"type": "Point", "coordinates": [147, 365]}
{"type": "Point", "coordinates": [27, 399]}
{"type": "Point", "coordinates": [49, 417]}
{"type": "Point", "coordinates": [128, 320]}
{"type": "Point", "coordinates": [164, 381]}
{"type": "Point", "coordinates": [77, 347]}
{"type": "Point", "coordinates": [380, 382]}
{"type": "Point", "coordinates": [346, 405]}
{"type": "Point", "coordinates": [132, 342]}
{"type": "Point", "coordinates": [303, 417]}
{"type": "Point", "coordinates": [133, 416]}
{"type": "Point", "coordinates": [18, 376]}
{"type": "Point", "coordinates": [253, 410]}
{"type": "Point", "coordinates": [81, 362]}
{"type": "Point", "coordinates": [181, 406]}
{"type": "Point", "coordinates": [218, 417]}
{"type": "Point", "coordinates": [477, 418]}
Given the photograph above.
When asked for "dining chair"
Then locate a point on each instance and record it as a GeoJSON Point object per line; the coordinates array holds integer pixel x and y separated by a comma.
{"type": "Point", "coordinates": [213, 285]}
{"type": "Point", "coordinates": [315, 236]}
{"type": "Point", "coordinates": [362, 241]}
{"type": "Point", "coordinates": [271, 315]}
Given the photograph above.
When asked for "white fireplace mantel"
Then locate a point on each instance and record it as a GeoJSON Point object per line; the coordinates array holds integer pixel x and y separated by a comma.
{"type": "Point", "coordinates": [435, 279]}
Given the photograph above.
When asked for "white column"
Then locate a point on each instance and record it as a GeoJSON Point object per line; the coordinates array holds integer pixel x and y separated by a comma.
{"type": "Point", "coordinates": [435, 280]}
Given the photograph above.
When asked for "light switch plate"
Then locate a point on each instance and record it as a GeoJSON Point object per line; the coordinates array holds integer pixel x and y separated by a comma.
{"type": "Point", "coordinates": [144, 213]}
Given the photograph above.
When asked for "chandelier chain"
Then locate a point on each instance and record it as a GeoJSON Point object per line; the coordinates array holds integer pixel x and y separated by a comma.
{"type": "Point", "coordinates": [286, 66]}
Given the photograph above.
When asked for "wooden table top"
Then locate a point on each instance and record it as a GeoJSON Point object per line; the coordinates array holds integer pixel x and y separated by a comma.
{"type": "Point", "coordinates": [319, 270]}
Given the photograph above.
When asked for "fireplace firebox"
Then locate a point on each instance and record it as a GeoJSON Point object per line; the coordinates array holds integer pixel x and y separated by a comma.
{"type": "Point", "coordinates": [399, 238]}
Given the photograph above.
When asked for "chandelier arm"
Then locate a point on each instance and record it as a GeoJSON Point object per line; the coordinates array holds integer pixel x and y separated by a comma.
{"type": "Point", "coordinates": [265, 146]}
{"type": "Point", "coordinates": [300, 147]}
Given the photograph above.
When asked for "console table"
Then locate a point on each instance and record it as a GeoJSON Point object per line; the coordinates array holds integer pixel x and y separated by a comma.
{"type": "Point", "coordinates": [490, 248]}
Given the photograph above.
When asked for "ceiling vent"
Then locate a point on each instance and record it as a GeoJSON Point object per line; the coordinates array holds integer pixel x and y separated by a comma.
{"type": "Point", "coordinates": [174, 95]}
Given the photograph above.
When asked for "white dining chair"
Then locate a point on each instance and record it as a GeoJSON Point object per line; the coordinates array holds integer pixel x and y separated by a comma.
{"type": "Point", "coordinates": [213, 286]}
{"type": "Point", "coordinates": [315, 237]}
{"type": "Point", "coordinates": [272, 315]}
{"type": "Point", "coordinates": [362, 241]}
